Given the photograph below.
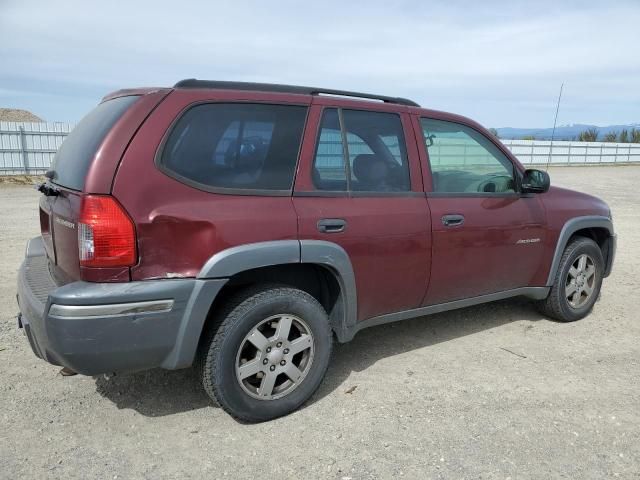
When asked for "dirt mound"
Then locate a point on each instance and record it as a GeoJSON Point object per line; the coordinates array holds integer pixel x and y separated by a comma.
{"type": "Point", "coordinates": [17, 115]}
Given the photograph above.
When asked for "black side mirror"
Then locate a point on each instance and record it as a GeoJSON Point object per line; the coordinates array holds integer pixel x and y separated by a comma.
{"type": "Point", "coordinates": [535, 181]}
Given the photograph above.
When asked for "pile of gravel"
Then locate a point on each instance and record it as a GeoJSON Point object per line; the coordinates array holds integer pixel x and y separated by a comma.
{"type": "Point", "coordinates": [17, 115]}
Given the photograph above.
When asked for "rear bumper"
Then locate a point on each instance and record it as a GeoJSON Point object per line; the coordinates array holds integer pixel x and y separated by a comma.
{"type": "Point", "coordinates": [95, 328]}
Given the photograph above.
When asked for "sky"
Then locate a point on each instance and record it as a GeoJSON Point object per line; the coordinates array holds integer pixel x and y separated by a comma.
{"type": "Point", "coordinates": [499, 62]}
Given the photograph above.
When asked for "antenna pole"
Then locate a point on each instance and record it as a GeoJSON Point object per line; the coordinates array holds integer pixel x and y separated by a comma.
{"type": "Point", "coordinates": [553, 132]}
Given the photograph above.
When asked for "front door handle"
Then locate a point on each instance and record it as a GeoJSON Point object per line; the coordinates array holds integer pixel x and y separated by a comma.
{"type": "Point", "coordinates": [453, 220]}
{"type": "Point", "coordinates": [332, 225]}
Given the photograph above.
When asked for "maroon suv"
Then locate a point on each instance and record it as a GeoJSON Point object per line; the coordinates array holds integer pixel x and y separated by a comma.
{"type": "Point", "coordinates": [239, 227]}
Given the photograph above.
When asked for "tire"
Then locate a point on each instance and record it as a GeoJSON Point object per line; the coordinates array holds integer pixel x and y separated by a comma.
{"type": "Point", "coordinates": [259, 316]}
{"type": "Point", "coordinates": [569, 307]}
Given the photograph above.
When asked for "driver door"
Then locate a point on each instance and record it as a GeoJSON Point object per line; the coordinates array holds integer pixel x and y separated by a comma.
{"type": "Point", "coordinates": [487, 237]}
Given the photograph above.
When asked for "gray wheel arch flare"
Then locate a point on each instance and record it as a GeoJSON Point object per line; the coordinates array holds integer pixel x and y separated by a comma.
{"type": "Point", "coordinates": [329, 255]}
{"type": "Point", "coordinates": [570, 227]}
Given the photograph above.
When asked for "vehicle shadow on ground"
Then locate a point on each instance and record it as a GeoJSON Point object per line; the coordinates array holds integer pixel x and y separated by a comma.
{"type": "Point", "coordinates": [155, 393]}
{"type": "Point", "coordinates": [159, 392]}
{"type": "Point", "coordinates": [384, 341]}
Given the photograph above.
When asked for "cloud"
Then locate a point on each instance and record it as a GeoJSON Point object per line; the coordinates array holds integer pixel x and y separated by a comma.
{"type": "Point", "coordinates": [500, 62]}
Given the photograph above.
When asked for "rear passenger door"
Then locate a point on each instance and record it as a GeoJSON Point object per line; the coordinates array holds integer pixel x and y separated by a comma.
{"type": "Point", "coordinates": [359, 186]}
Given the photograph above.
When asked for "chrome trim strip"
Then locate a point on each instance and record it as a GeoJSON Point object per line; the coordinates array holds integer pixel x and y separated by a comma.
{"type": "Point", "coordinates": [111, 310]}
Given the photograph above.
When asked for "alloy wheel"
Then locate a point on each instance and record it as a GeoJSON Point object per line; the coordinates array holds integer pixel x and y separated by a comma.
{"type": "Point", "coordinates": [581, 281]}
{"type": "Point", "coordinates": [275, 357]}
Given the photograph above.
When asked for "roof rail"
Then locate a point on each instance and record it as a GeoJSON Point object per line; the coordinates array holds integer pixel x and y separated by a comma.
{"type": "Point", "coordinates": [275, 87]}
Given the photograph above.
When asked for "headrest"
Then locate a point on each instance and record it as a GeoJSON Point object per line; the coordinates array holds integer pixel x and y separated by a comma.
{"type": "Point", "coordinates": [369, 169]}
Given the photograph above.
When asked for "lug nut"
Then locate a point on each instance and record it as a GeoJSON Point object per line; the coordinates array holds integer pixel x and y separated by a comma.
{"type": "Point", "coordinates": [265, 361]}
{"type": "Point", "coordinates": [286, 350]}
{"type": "Point", "coordinates": [283, 363]}
{"type": "Point", "coordinates": [279, 344]}
{"type": "Point", "coordinates": [268, 349]}
{"type": "Point", "coordinates": [272, 368]}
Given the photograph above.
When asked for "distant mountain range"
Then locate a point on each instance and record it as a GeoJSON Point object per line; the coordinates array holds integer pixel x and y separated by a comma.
{"type": "Point", "coordinates": [563, 132]}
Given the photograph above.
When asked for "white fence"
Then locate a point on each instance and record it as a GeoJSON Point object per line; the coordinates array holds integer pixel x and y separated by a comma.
{"type": "Point", "coordinates": [536, 152]}
{"type": "Point", "coordinates": [29, 148]}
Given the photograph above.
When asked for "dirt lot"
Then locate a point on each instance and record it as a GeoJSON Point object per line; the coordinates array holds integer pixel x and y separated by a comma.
{"type": "Point", "coordinates": [436, 397]}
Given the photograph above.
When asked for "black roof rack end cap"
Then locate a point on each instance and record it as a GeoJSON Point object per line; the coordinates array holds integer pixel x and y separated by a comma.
{"type": "Point", "coordinates": [185, 83]}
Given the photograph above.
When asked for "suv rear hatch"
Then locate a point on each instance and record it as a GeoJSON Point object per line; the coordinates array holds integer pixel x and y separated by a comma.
{"type": "Point", "coordinates": [68, 205]}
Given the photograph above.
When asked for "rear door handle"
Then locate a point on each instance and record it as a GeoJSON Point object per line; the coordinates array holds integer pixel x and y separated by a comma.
{"type": "Point", "coordinates": [332, 225]}
{"type": "Point", "coordinates": [453, 220]}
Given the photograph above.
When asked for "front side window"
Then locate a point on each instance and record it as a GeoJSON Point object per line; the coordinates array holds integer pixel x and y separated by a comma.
{"type": "Point", "coordinates": [374, 146]}
{"type": "Point", "coordinates": [465, 161]}
{"type": "Point", "coordinates": [236, 146]}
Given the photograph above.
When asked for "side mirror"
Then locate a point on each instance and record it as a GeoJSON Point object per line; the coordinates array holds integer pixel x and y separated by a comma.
{"type": "Point", "coordinates": [535, 181]}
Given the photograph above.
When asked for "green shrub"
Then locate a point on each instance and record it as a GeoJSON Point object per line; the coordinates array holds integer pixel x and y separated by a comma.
{"type": "Point", "coordinates": [589, 135]}
{"type": "Point", "coordinates": [624, 136]}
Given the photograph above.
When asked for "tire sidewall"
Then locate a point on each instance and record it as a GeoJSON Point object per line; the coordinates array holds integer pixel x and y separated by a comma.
{"type": "Point", "coordinates": [227, 388]}
{"type": "Point", "coordinates": [590, 248]}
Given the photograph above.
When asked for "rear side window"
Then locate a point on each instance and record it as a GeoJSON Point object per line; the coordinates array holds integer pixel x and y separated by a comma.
{"type": "Point", "coordinates": [236, 146]}
{"type": "Point", "coordinates": [374, 146]}
{"type": "Point", "coordinates": [329, 172]}
{"type": "Point", "coordinates": [71, 163]}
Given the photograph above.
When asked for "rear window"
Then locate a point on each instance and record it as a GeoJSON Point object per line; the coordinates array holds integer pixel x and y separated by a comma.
{"type": "Point", "coordinates": [236, 146]}
{"type": "Point", "coordinates": [74, 157]}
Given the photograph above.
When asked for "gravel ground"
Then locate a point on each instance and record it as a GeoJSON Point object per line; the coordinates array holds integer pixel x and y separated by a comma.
{"type": "Point", "coordinates": [437, 397]}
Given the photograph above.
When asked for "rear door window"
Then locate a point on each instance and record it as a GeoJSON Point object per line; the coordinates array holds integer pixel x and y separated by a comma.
{"type": "Point", "coordinates": [329, 171]}
{"type": "Point", "coordinates": [375, 148]}
{"type": "Point", "coordinates": [72, 161]}
{"type": "Point", "coordinates": [236, 147]}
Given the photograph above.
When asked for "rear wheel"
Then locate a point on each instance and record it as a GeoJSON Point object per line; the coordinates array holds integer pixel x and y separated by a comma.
{"type": "Point", "coordinates": [269, 353]}
{"type": "Point", "coordinates": [577, 283]}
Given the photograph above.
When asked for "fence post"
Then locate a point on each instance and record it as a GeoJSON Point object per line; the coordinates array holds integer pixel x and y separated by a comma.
{"type": "Point", "coordinates": [586, 152]}
{"type": "Point", "coordinates": [531, 158]}
{"type": "Point", "coordinates": [569, 155]}
{"type": "Point", "coordinates": [601, 145]}
{"type": "Point", "coordinates": [615, 158]}
{"type": "Point", "coordinates": [23, 150]}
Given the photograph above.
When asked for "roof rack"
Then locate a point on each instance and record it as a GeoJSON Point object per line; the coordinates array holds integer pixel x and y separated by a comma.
{"type": "Point", "coordinates": [274, 87]}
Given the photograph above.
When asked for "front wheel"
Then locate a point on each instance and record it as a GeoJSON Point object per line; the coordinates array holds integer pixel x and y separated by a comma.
{"type": "Point", "coordinates": [269, 353]}
{"type": "Point", "coordinates": [577, 283]}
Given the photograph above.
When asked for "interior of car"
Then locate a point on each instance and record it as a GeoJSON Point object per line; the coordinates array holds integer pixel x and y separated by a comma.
{"type": "Point", "coordinates": [377, 153]}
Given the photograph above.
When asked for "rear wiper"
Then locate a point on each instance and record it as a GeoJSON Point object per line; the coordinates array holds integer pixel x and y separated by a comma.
{"type": "Point", "coordinates": [47, 189]}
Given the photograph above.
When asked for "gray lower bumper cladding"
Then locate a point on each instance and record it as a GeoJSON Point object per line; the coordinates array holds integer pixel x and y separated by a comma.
{"type": "Point", "coordinates": [95, 328]}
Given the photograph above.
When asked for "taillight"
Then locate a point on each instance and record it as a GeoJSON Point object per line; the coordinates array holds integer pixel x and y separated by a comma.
{"type": "Point", "coordinates": [106, 236]}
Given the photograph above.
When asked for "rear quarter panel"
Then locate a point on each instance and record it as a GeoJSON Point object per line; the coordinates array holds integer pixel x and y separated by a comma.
{"type": "Point", "coordinates": [179, 227]}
